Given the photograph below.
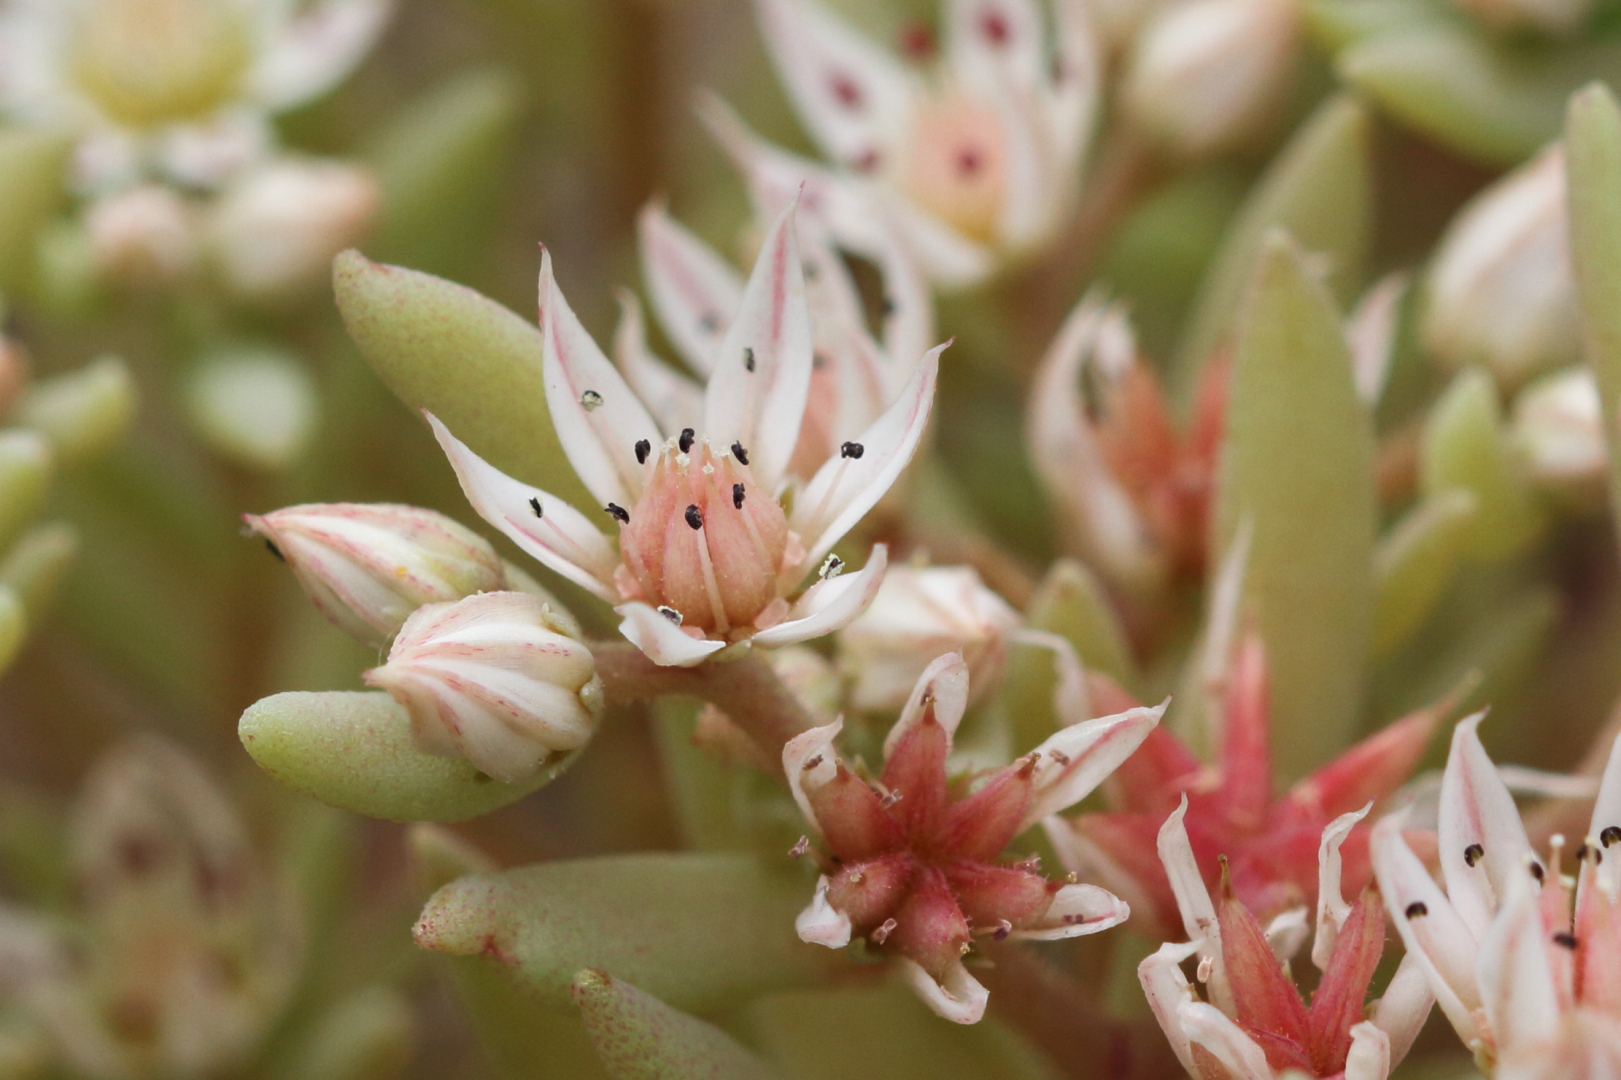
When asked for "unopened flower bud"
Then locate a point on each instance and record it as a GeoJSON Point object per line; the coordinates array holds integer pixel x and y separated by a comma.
{"type": "Point", "coordinates": [918, 615]}
{"type": "Point", "coordinates": [367, 566]}
{"type": "Point", "coordinates": [279, 227]}
{"type": "Point", "coordinates": [1556, 17]}
{"type": "Point", "coordinates": [1501, 290]}
{"type": "Point", "coordinates": [147, 235]}
{"type": "Point", "coordinates": [1207, 76]}
{"type": "Point", "coordinates": [1558, 427]}
{"type": "Point", "coordinates": [489, 678]}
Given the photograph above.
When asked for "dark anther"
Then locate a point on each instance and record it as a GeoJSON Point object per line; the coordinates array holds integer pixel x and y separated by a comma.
{"type": "Point", "coordinates": [811, 763]}
{"type": "Point", "coordinates": [670, 613]}
{"type": "Point", "coordinates": [818, 361]}
{"type": "Point", "coordinates": [685, 441]}
{"type": "Point", "coordinates": [1582, 852]}
{"type": "Point", "coordinates": [1537, 871]}
{"type": "Point", "coordinates": [534, 504]}
{"type": "Point", "coordinates": [852, 450]}
{"type": "Point", "coordinates": [748, 359]}
{"type": "Point", "coordinates": [740, 454]}
{"type": "Point", "coordinates": [1416, 909]}
{"type": "Point", "coordinates": [887, 305]}
{"type": "Point", "coordinates": [737, 496]}
{"type": "Point", "coordinates": [618, 512]}
{"type": "Point", "coordinates": [643, 448]}
{"type": "Point", "coordinates": [270, 546]}
{"type": "Point", "coordinates": [1565, 940]}
{"type": "Point", "coordinates": [811, 270]}
{"type": "Point", "coordinates": [1473, 854]}
{"type": "Point", "coordinates": [1611, 835]}
{"type": "Point", "coordinates": [694, 518]}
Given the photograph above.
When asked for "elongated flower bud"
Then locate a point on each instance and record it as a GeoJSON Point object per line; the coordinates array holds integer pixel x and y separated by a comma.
{"type": "Point", "coordinates": [144, 236]}
{"type": "Point", "coordinates": [367, 566]}
{"type": "Point", "coordinates": [278, 229]}
{"type": "Point", "coordinates": [1558, 428]}
{"type": "Point", "coordinates": [1501, 290]}
{"type": "Point", "coordinates": [490, 678]}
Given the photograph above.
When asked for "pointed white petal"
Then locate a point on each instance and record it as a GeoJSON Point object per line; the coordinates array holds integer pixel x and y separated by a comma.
{"type": "Point", "coordinates": [661, 639]}
{"type": "Point", "coordinates": [845, 488]}
{"type": "Point", "coordinates": [1034, 192]}
{"type": "Point", "coordinates": [952, 260]}
{"type": "Point", "coordinates": [1071, 702]}
{"type": "Point", "coordinates": [1517, 987]}
{"type": "Point", "coordinates": [599, 420]}
{"type": "Point", "coordinates": [1430, 928]}
{"type": "Point", "coordinates": [829, 605]}
{"type": "Point", "coordinates": [852, 96]}
{"type": "Point", "coordinates": [809, 761]}
{"type": "Point", "coordinates": [992, 44]}
{"type": "Point", "coordinates": [960, 998]}
{"type": "Point", "coordinates": [1078, 910]}
{"type": "Point", "coordinates": [1076, 759]}
{"type": "Point", "coordinates": [945, 682]}
{"type": "Point", "coordinates": [1167, 990]}
{"type": "Point", "coordinates": [1405, 1006]}
{"type": "Point", "coordinates": [1607, 810]}
{"type": "Point", "coordinates": [1076, 89]}
{"type": "Point", "coordinates": [675, 401]}
{"type": "Point", "coordinates": [1483, 846]}
{"type": "Point", "coordinates": [1369, 1058]}
{"type": "Point", "coordinates": [1332, 908]}
{"type": "Point", "coordinates": [1210, 1028]}
{"type": "Point", "coordinates": [908, 323]}
{"type": "Point", "coordinates": [560, 536]}
{"type": "Point", "coordinates": [761, 378]}
{"type": "Point", "coordinates": [695, 292]}
{"type": "Point", "coordinates": [317, 49]}
{"type": "Point", "coordinates": [1287, 932]}
{"type": "Point", "coordinates": [1193, 899]}
{"type": "Point", "coordinates": [1371, 334]}
{"type": "Point", "coordinates": [821, 923]}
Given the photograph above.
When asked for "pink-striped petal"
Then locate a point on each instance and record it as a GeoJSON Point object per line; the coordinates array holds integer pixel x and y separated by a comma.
{"type": "Point", "coordinates": [1077, 910]}
{"type": "Point", "coordinates": [1517, 988]}
{"type": "Point", "coordinates": [1483, 846]}
{"type": "Point", "coordinates": [695, 292]}
{"type": "Point", "coordinates": [599, 420]}
{"type": "Point", "coordinates": [558, 535]}
{"type": "Point", "coordinates": [662, 640]}
{"type": "Point", "coordinates": [675, 401]}
{"type": "Point", "coordinates": [1076, 759]}
{"type": "Point", "coordinates": [945, 683]}
{"type": "Point", "coordinates": [829, 605]}
{"type": "Point", "coordinates": [1167, 991]}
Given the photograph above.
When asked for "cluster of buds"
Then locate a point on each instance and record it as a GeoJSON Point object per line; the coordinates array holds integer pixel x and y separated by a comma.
{"type": "Point", "coordinates": [707, 556]}
{"type": "Point", "coordinates": [184, 950]}
{"type": "Point", "coordinates": [911, 858]}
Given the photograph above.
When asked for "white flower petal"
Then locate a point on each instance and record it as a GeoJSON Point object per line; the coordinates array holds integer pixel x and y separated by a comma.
{"type": "Point", "coordinates": [952, 260]}
{"type": "Point", "coordinates": [821, 923]}
{"type": "Point", "coordinates": [1167, 990]}
{"type": "Point", "coordinates": [852, 96]}
{"type": "Point", "coordinates": [1369, 1057]}
{"type": "Point", "coordinates": [599, 420]}
{"type": "Point", "coordinates": [829, 605]}
{"type": "Point", "coordinates": [847, 486]}
{"type": "Point", "coordinates": [1483, 845]}
{"type": "Point", "coordinates": [995, 43]}
{"type": "Point", "coordinates": [798, 755]}
{"type": "Point", "coordinates": [1517, 988]}
{"type": "Point", "coordinates": [1228, 1043]}
{"type": "Point", "coordinates": [1076, 759]}
{"type": "Point", "coordinates": [695, 292]}
{"type": "Point", "coordinates": [1405, 1006]}
{"type": "Point", "coordinates": [960, 998]}
{"type": "Point", "coordinates": [1332, 908]}
{"type": "Point", "coordinates": [1077, 910]}
{"type": "Point", "coordinates": [675, 401]}
{"type": "Point", "coordinates": [761, 378]}
{"type": "Point", "coordinates": [1287, 932]}
{"type": "Point", "coordinates": [560, 537]}
{"type": "Point", "coordinates": [1371, 334]}
{"type": "Point", "coordinates": [1034, 192]}
{"type": "Point", "coordinates": [661, 639]}
{"type": "Point", "coordinates": [1193, 899]}
{"type": "Point", "coordinates": [1607, 810]}
{"type": "Point", "coordinates": [317, 49]}
{"type": "Point", "coordinates": [945, 683]}
{"type": "Point", "coordinates": [1076, 89]}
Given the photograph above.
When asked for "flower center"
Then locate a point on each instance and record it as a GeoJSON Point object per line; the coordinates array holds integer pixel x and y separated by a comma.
{"type": "Point", "coordinates": [148, 62]}
{"type": "Point", "coordinates": [955, 167]}
{"type": "Point", "coordinates": [704, 543]}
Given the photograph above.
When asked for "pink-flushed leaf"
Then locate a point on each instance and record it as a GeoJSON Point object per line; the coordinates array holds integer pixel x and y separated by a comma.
{"type": "Point", "coordinates": [1517, 984]}
{"type": "Point", "coordinates": [850, 484]}
{"type": "Point", "coordinates": [695, 292]}
{"type": "Point", "coordinates": [1265, 998]}
{"type": "Point", "coordinates": [915, 769]}
{"type": "Point", "coordinates": [1483, 845]}
{"type": "Point", "coordinates": [1209, 1027]}
{"type": "Point", "coordinates": [1246, 744]}
{"type": "Point", "coordinates": [820, 923]}
{"type": "Point", "coordinates": [957, 996]}
{"type": "Point", "coordinates": [829, 605]}
{"type": "Point", "coordinates": [1076, 759]}
{"type": "Point", "coordinates": [1430, 928]}
{"type": "Point", "coordinates": [599, 419]}
{"type": "Point", "coordinates": [1332, 907]}
{"type": "Point", "coordinates": [761, 376]}
{"type": "Point", "coordinates": [852, 819]}
{"type": "Point", "coordinates": [559, 535]}
{"type": "Point", "coordinates": [980, 826]}
{"type": "Point", "coordinates": [853, 96]}
{"type": "Point", "coordinates": [675, 401]}
{"type": "Point", "coordinates": [1167, 991]}
{"type": "Point", "coordinates": [662, 640]}
{"type": "Point", "coordinates": [1337, 1004]}
{"type": "Point", "coordinates": [1374, 767]}
{"type": "Point", "coordinates": [639, 1037]}
{"type": "Point", "coordinates": [942, 686]}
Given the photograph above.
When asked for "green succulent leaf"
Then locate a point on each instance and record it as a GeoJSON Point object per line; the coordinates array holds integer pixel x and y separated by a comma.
{"type": "Point", "coordinates": [365, 1036]}
{"type": "Point", "coordinates": [36, 562]}
{"type": "Point", "coordinates": [84, 412]}
{"type": "Point", "coordinates": [25, 478]}
{"type": "Point", "coordinates": [1298, 465]}
{"type": "Point", "coordinates": [1414, 563]}
{"type": "Point", "coordinates": [1319, 189]}
{"type": "Point", "coordinates": [697, 930]}
{"type": "Point", "coordinates": [13, 626]}
{"type": "Point", "coordinates": [640, 1038]}
{"type": "Point", "coordinates": [354, 751]}
{"type": "Point", "coordinates": [33, 166]}
{"type": "Point", "coordinates": [461, 356]}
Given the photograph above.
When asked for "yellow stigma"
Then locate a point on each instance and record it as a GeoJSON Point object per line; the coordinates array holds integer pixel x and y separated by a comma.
{"type": "Point", "coordinates": [955, 165]}
{"type": "Point", "coordinates": [148, 62]}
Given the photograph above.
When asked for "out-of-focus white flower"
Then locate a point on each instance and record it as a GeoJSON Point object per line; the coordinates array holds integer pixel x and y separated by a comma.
{"type": "Point", "coordinates": [367, 566]}
{"type": "Point", "coordinates": [145, 235]}
{"type": "Point", "coordinates": [1558, 427]}
{"type": "Point", "coordinates": [1207, 76]}
{"type": "Point", "coordinates": [1501, 291]}
{"type": "Point", "coordinates": [179, 89]}
{"type": "Point", "coordinates": [921, 613]}
{"type": "Point", "coordinates": [973, 163]}
{"type": "Point", "coordinates": [276, 228]}
{"type": "Point", "coordinates": [493, 678]}
{"type": "Point", "coordinates": [185, 949]}
{"type": "Point", "coordinates": [1560, 18]}
{"type": "Point", "coordinates": [707, 556]}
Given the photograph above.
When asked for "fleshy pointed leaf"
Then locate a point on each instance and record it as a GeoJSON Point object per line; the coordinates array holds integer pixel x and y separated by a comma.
{"type": "Point", "coordinates": [1414, 563]}
{"type": "Point", "coordinates": [33, 168]}
{"type": "Point", "coordinates": [34, 565]}
{"type": "Point", "coordinates": [1298, 463]}
{"type": "Point", "coordinates": [700, 930]}
{"type": "Point", "coordinates": [13, 626]}
{"type": "Point", "coordinates": [639, 1037]}
{"type": "Point", "coordinates": [365, 1036]}
{"type": "Point", "coordinates": [25, 478]}
{"type": "Point", "coordinates": [84, 412]}
{"type": "Point", "coordinates": [355, 752]}
{"type": "Point", "coordinates": [462, 357]}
